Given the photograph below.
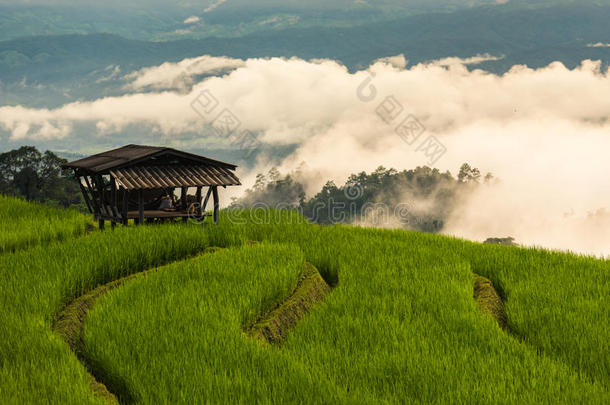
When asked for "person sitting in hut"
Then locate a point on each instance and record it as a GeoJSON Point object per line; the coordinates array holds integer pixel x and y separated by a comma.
{"type": "Point", "coordinates": [167, 203]}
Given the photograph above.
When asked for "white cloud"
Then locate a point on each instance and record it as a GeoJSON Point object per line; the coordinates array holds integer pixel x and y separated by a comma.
{"type": "Point", "coordinates": [180, 76]}
{"type": "Point", "coordinates": [475, 60]}
{"type": "Point", "coordinates": [598, 45]}
{"type": "Point", "coordinates": [214, 5]}
{"type": "Point", "coordinates": [398, 61]}
{"type": "Point", "coordinates": [111, 72]}
{"type": "Point", "coordinates": [182, 31]}
{"type": "Point", "coordinates": [545, 132]}
{"type": "Point", "coordinates": [192, 19]}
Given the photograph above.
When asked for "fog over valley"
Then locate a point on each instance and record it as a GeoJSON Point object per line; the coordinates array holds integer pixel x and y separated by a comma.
{"type": "Point", "coordinates": [547, 150]}
{"type": "Point", "coordinates": [319, 99]}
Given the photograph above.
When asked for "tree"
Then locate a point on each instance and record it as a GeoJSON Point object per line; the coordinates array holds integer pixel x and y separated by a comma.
{"type": "Point", "coordinates": [509, 241]}
{"type": "Point", "coordinates": [274, 174]}
{"type": "Point", "coordinates": [27, 183]}
{"type": "Point", "coordinates": [272, 191]}
{"type": "Point", "coordinates": [19, 171]}
{"type": "Point", "coordinates": [261, 182]}
{"type": "Point", "coordinates": [421, 199]}
{"type": "Point", "coordinates": [488, 178]}
{"type": "Point", "coordinates": [27, 173]}
{"type": "Point", "coordinates": [469, 174]}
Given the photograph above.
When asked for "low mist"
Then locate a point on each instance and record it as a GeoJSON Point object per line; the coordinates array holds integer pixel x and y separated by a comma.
{"type": "Point", "coordinates": [543, 133]}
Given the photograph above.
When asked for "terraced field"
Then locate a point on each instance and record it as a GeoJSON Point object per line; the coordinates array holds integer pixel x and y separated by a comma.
{"type": "Point", "coordinates": [306, 314]}
{"type": "Point", "coordinates": [24, 225]}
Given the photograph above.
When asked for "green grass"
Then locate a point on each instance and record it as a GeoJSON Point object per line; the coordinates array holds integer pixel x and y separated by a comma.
{"type": "Point", "coordinates": [401, 324]}
{"type": "Point", "coordinates": [35, 364]}
{"type": "Point", "coordinates": [23, 224]}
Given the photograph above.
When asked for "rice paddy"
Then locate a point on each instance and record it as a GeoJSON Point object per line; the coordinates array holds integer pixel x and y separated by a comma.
{"type": "Point", "coordinates": [24, 224]}
{"type": "Point", "coordinates": [401, 323]}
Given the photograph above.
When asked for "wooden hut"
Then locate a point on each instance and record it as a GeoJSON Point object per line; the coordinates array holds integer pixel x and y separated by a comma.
{"type": "Point", "coordinates": [131, 182]}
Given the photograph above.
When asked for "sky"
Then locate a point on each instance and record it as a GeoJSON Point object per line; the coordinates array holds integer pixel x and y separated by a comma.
{"type": "Point", "coordinates": [549, 150]}
{"type": "Point", "coordinates": [205, 4]}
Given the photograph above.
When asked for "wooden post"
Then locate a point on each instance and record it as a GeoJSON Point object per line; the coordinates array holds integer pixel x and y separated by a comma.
{"type": "Point", "coordinates": [140, 208]}
{"type": "Point", "coordinates": [100, 186]}
{"type": "Point", "coordinates": [124, 209]}
{"type": "Point", "coordinates": [198, 201]}
{"type": "Point", "coordinates": [85, 194]}
{"type": "Point", "coordinates": [207, 198]}
{"type": "Point", "coordinates": [101, 223]}
{"type": "Point", "coordinates": [184, 202]}
{"type": "Point", "coordinates": [113, 203]}
{"type": "Point", "coordinates": [100, 190]}
{"type": "Point", "coordinates": [93, 198]}
{"type": "Point", "coordinates": [113, 195]}
{"type": "Point", "coordinates": [102, 203]}
{"type": "Point", "coordinates": [183, 191]}
{"type": "Point", "coordinates": [216, 204]}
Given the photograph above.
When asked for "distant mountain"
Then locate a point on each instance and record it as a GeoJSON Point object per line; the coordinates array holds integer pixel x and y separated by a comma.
{"type": "Point", "coordinates": [47, 71]}
{"type": "Point", "coordinates": [158, 20]}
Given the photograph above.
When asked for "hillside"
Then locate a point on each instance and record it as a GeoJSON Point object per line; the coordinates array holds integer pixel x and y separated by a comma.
{"type": "Point", "coordinates": [155, 315]}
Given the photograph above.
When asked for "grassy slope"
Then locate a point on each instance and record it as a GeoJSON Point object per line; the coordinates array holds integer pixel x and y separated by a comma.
{"type": "Point", "coordinates": [24, 224]}
{"type": "Point", "coordinates": [400, 324]}
{"type": "Point", "coordinates": [35, 365]}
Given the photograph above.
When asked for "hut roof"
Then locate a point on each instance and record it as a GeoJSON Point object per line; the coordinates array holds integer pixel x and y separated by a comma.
{"type": "Point", "coordinates": [148, 167]}
{"type": "Point", "coordinates": [133, 154]}
{"type": "Point", "coordinates": [152, 177]}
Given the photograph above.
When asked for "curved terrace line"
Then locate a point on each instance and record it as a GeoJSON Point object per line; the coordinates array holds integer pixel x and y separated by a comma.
{"type": "Point", "coordinates": [271, 327]}
{"type": "Point", "coordinates": [275, 325]}
{"type": "Point", "coordinates": [68, 324]}
{"type": "Point", "coordinates": [489, 301]}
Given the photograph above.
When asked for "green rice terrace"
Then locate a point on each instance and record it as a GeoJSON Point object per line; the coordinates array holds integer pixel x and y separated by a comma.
{"type": "Point", "coordinates": [277, 310]}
